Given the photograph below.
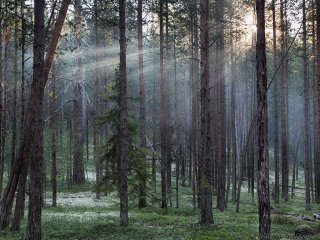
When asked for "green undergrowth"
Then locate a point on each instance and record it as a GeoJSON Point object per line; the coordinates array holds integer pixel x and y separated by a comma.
{"type": "Point", "coordinates": [102, 222]}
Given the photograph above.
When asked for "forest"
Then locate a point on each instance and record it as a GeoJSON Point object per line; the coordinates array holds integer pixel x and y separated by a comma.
{"type": "Point", "coordinates": [159, 119]}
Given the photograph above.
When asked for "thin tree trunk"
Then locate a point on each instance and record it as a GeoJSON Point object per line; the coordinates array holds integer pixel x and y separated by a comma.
{"type": "Point", "coordinates": [154, 164]}
{"type": "Point", "coordinates": [53, 137]}
{"type": "Point", "coordinates": [284, 109]}
{"type": "Point", "coordinates": [307, 160]}
{"type": "Point", "coordinates": [233, 128]}
{"type": "Point", "coordinates": [294, 167]}
{"type": "Point", "coordinates": [143, 144]}
{"type": "Point", "coordinates": [78, 175]}
{"type": "Point", "coordinates": [167, 104]}
{"type": "Point", "coordinates": [123, 133]}
{"type": "Point", "coordinates": [23, 77]}
{"type": "Point", "coordinates": [317, 59]}
{"type": "Point", "coordinates": [206, 216]}
{"type": "Point", "coordinates": [221, 163]}
{"type": "Point", "coordinates": [97, 103]}
{"type": "Point", "coordinates": [276, 111]}
{"type": "Point", "coordinates": [163, 120]}
{"type": "Point", "coordinates": [262, 124]}
{"type": "Point", "coordinates": [36, 161]}
{"type": "Point", "coordinates": [15, 82]}
{"type": "Point", "coordinates": [1, 103]}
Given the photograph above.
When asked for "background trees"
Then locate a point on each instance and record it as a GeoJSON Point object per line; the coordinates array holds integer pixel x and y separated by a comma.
{"type": "Point", "coordinates": [191, 67]}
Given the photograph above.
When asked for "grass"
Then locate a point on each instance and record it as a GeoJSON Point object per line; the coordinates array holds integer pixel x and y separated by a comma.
{"type": "Point", "coordinates": [102, 221]}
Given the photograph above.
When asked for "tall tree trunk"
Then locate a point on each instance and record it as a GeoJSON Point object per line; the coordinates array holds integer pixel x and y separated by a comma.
{"type": "Point", "coordinates": [318, 89]}
{"type": "Point", "coordinates": [233, 127]}
{"type": "Point", "coordinates": [221, 162]}
{"type": "Point", "coordinates": [15, 82]}
{"type": "Point", "coordinates": [23, 77]}
{"type": "Point", "coordinates": [294, 167]}
{"type": "Point", "coordinates": [284, 108]}
{"type": "Point", "coordinates": [154, 164]}
{"type": "Point", "coordinates": [307, 160]}
{"type": "Point", "coordinates": [1, 102]}
{"type": "Point", "coordinates": [262, 124]}
{"type": "Point", "coordinates": [53, 137]}
{"type": "Point", "coordinates": [36, 161]}
{"type": "Point", "coordinates": [276, 110]}
{"type": "Point", "coordinates": [195, 103]}
{"type": "Point", "coordinates": [123, 133]}
{"type": "Point", "coordinates": [29, 133]}
{"type": "Point", "coordinates": [163, 119]}
{"type": "Point", "coordinates": [167, 104]}
{"type": "Point", "coordinates": [143, 144]}
{"type": "Point", "coordinates": [78, 175]}
{"type": "Point", "coordinates": [97, 103]}
{"type": "Point", "coordinates": [206, 216]}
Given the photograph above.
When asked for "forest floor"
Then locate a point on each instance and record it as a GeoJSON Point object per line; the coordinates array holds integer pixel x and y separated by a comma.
{"type": "Point", "coordinates": [80, 216]}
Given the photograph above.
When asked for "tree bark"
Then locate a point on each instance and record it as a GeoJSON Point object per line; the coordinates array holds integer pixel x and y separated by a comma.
{"type": "Point", "coordinates": [233, 128]}
{"type": "Point", "coordinates": [262, 124]}
{"type": "Point", "coordinates": [284, 108]}
{"type": "Point", "coordinates": [206, 216]}
{"type": "Point", "coordinates": [276, 110]}
{"type": "Point", "coordinates": [307, 160]}
{"type": "Point", "coordinates": [15, 82]}
{"type": "Point", "coordinates": [53, 137]}
{"type": "Point", "coordinates": [143, 144]}
{"type": "Point", "coordinates": [78, 175]}
{"type": "Point", "coordinates": [1, 103]}
{"type": "Point", "coordinates": [36, 151]}
{"type": "Point", "coordinates": [29, 133]}
{"type": "Point", "coordinates": [97, 103]}
{"type": "Point", "coordinates": [123, 133]}
{"type": "Point", "coordinates": [318, 89]}
{"type": "Point", "coordinates": [221, 160]}
{"type": "Point", "coordinates": [163, 119]}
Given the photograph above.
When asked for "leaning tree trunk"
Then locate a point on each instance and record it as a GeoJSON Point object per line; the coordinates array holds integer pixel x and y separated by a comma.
{"type": "Point", "coordinates": [28, 134]}
{"type": "Point", "coordinates": [262, 125]}
{"type": "Point", "coordinates": [206, 216]}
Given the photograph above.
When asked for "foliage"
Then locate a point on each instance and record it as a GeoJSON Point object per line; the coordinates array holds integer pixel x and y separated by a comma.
{"type": "Point", "coordinates": [137, 154]}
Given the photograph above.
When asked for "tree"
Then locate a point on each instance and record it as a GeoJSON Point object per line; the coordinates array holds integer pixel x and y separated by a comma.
{"type": "Point", "coordinates": [206, 216]}
{"type": "Point", "coordinates": [78, 175]}
{"type": "Point", "coordinates": [318, 86]}
{"type": "Point", "coordinates": [123, 133]}
{"type": "Point", "coordinates": [284, 105]}
{"type": "Point", "coordinates": [27, 138]}
{"type": "Point", "coordinates": [307, 159]}
{"type": "Point", "coordinates": [53, 123]}
{"type": "Point", "coordinates": [142, 185]}
{"type": "Point", "coordinates": [276, 106]}
{"type": "Point", "coordinates": [163, 118]}
{"type": "Point", "coordinates": [262, 125]}
{"type": "Point", "coordinates": [220, 128]}
{"type": "Point", "coordinates": [36, 161]}
{"type": "Point", "coordinates": [97, 100]}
